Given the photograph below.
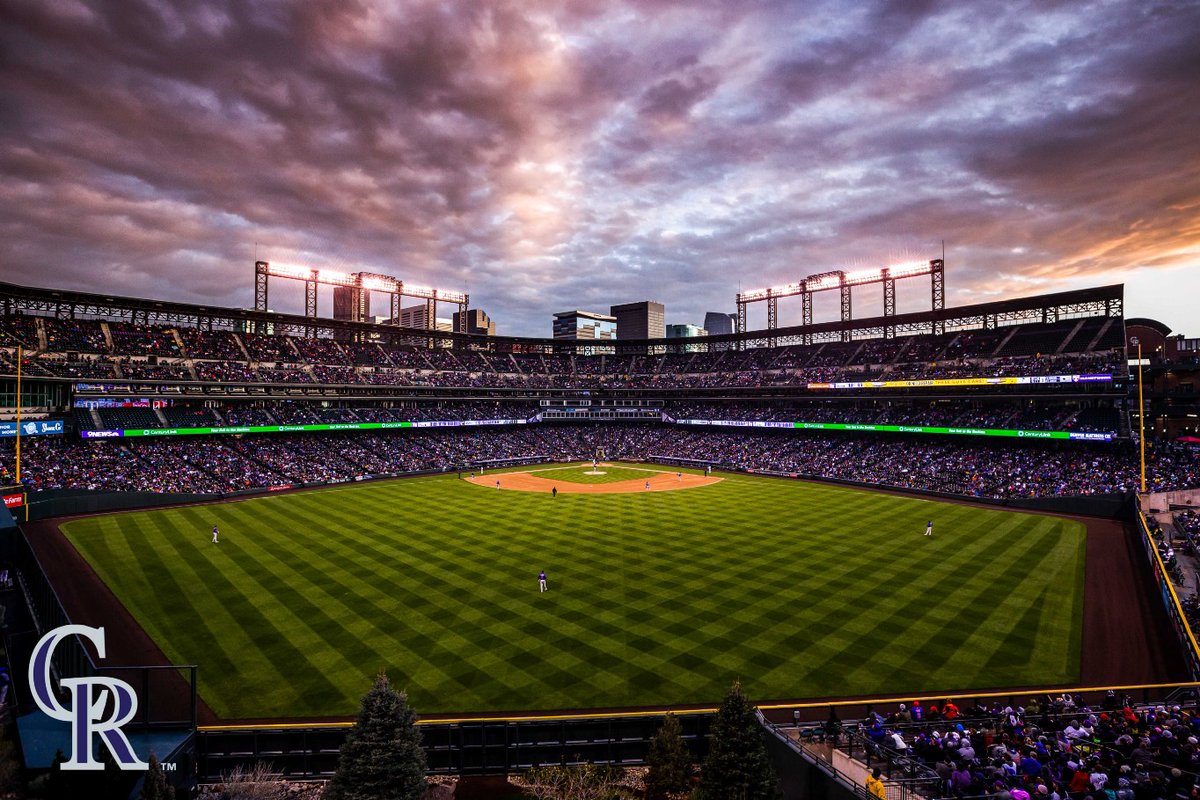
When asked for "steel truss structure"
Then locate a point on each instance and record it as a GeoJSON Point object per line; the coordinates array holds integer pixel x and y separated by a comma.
{"type": "Point", "coordinates": [360, 284]}
{"type": "Point", "coordinates": [844, 282]}
{"type": "Point", "coordinates": [1103, 301]}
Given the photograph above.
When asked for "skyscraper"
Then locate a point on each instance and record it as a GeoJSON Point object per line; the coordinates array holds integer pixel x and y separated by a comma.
{"type": "Point", "coordinates": [717, 322]}
{"type": "Point", "coordinates": [417, 316]}
{"type": "Point", "coordinates": [688, 331]}
{"type": "Point", "coordinates": [477, 322]}
{"type": "Point", "coordinates": [644, 320]}
{"type": "Point", "coordinates": [584, 325]}
{"type": "Point", "coordinates": [685, 330]}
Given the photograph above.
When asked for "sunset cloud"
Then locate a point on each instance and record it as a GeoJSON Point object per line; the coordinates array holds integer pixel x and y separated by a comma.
{"type": "Point", "coordinates": [546, 156]}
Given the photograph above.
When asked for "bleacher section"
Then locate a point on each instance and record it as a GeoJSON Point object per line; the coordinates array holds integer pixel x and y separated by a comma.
{"type": "Point", "coordinates": [220, 356]}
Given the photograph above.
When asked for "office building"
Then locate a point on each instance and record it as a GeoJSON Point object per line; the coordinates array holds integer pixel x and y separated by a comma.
{"type": "Point", "coordinates": [418, 317]}
{"type": "Point", "coordinates": [684, 331]}
{"type": "Point", "coordinates": [716, 323]}
{"type": "Point", "coordinates": [644, 320]}
{"type": "Point", "coordinates": [584, 325]}
{"type": "Point", "coordinates": [476, 321]}
{"type": "Point", "coordinates": [688, 331]}
{"type": "Point", "coordinates": [344, 299]}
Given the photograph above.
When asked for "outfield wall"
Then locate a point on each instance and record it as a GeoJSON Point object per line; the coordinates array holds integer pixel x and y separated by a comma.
{"type": "Point", "coordinates": [1113, 505]}
{"type": "Point", "coordinates": [452, 747]}
{"type": "Point", "coordinates": [63, 502]}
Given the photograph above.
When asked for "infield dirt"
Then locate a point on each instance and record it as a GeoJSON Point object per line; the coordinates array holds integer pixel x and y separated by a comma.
{"type": "Point", "coordinates": [655, 481]}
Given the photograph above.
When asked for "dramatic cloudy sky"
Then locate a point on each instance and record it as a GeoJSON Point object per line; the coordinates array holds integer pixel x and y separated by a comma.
{"type": "Point", "coordinates": [553, 155]}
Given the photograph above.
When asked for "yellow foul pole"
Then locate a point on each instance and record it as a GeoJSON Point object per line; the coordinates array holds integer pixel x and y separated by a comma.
{"type": "Point", "coordinates": [1141, 419]}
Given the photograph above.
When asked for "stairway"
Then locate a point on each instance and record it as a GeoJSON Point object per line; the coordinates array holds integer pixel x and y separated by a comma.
{"type": "Point", "coordinates": [241, 346]}
{"type": "Point", "coordinates": [1011, 333]}
{"type": "Point", "coordinates": [1108, 323]}
{"type": "Point", "coordinates": [1067, 339]}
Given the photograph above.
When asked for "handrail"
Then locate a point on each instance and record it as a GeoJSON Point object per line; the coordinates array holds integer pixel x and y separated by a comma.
{"type": "Point", "coordinates": [1173, 604]}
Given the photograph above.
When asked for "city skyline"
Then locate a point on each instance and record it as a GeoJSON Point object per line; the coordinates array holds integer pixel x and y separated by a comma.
{"type": "Point", "coordinates": [542, 157]}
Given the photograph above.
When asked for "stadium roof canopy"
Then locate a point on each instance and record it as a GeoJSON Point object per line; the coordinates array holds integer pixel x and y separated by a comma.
{"type": "Point", "coordinates": [1146, 322]}
{"type": "Point", "coordinates": [1102, 301]}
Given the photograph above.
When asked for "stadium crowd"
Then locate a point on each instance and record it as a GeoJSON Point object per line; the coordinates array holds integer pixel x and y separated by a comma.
{"type": "Point", "coordinates": [1052, 748]}
{"type": "Point", "coordinates": [98, 349]}
{"type": "Point", "coordinates": [947, 412]}
{"type": "Point", "coordinates": [94, 348]}
{"type": "Point", "coordinates": [227, 463]}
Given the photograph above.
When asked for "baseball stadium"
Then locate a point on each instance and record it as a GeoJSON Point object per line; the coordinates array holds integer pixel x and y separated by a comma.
{"type": "Point", "coordinates": [263, 510]}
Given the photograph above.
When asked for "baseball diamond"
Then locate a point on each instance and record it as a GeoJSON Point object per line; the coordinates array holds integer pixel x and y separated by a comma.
{"type": "Point", "coordinates": [803, 590]}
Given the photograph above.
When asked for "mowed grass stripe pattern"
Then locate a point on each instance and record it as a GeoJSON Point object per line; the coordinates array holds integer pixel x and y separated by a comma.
{"type": "Point", "coordinates": [798, 589]}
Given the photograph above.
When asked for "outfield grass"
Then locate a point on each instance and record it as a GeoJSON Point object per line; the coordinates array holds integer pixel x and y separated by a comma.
{"type": "Point", "coordinates": [798, 589]}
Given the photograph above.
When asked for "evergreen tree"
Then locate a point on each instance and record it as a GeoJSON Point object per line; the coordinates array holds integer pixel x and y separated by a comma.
{"type": "Point", "coordinates": [57, 779]}
{"type": "Point", "coordinates": [669, 761]}
{"type": "Point", "coordinates": [116, 783]}
{"type": "Point", "coordinates": [155, 786]}
{"type": "Point", "coordinates": [381, 758]}
{"type": "Point", "coordinates": [737, 766]}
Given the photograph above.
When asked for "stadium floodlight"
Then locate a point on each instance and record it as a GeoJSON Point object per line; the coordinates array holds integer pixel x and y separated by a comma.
{"type": "Point", "coordinates": [333, 276]}
{"type": "Point", "coordinates": [290, 271]}
{"type": "Point", "coordinates": [428, 293]}
{"type": "Point", "coordinates": [908, 269]}
{"type": "Point", "coordinates": [380, 285]}
{"type": "Point", "coordinates": [360, 282]}
{"type": "Point", "coordinates": [753, 294]}
{"type": "Point", "coordinates": [864, 276]}
{"type": "Point", "coordinates": [836, 278]}
{"type": "Point", "coordinates": [450, 296]}
{"type": "Point", "coordinates": [844, 281]}
{"type": "Point", "coordinates": [826, 280]}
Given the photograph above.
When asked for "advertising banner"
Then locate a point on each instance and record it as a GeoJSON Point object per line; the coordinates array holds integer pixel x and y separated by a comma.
{"type": "Point", "coordinates": [852, 426]}
{"type": "Point", "coordinates": [934, 383]}
{"type": "Point", "coordinates": [32, 427]}
{"type": "Point", "coordinates": [321, 426]}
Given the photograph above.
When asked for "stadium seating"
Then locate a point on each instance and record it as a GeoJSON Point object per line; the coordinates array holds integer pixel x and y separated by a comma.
{"type": "Point", "coordinates": [223, 363]}
{"type": "Point", "coordinates": [1016, 469]}
{"type": "Point", "coordinates": [215, 356]}
{"type": "Point", "coordinates": [1051, 746]}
